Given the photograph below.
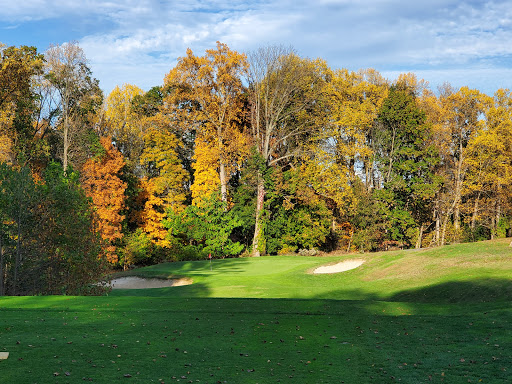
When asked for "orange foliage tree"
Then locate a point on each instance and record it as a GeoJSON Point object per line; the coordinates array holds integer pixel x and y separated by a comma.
{"type": "Point", "coordinates": [102, 183]}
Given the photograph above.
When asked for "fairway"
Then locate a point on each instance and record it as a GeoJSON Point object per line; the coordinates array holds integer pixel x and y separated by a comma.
{"type": "Point", "coordinates": [439, 315]}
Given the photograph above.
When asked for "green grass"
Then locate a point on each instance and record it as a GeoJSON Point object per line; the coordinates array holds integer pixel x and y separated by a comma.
{"type": "Point", "coordinates": [464, 272]}
{"type": "Point", "coordinates": [440, 315]}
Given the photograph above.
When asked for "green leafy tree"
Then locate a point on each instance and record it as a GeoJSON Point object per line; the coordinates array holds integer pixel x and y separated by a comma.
{"type": "Point", "coordinates": [406, 158]}
{"type": "Point", "coordinates": [47, 241]}
{"type": "Point", "coordinates": [368, 222]}
{"type": "Point", "coordinates": [70, 247]}
{"type": "Point", "coordinates": [139, 249]}
{"type": "Point", "coordinates": [18, 193]}
{"type": "Point", "coordinates": [295, 216]}
{"type": "Point", "coordinates": [208, 226]}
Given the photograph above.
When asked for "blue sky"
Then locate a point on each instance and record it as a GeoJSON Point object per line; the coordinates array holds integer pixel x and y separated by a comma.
{"type": "Point", "coordinates": [138, 41]}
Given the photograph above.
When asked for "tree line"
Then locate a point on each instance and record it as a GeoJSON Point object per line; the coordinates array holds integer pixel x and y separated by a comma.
{"type": "Point", "coordinates": [236, 154]}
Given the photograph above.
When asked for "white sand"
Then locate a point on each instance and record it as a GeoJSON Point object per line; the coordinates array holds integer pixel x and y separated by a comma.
{"type": "Point", "coordinates": [343, 266]}
{"type": "Point", "coordinates": [133, 282]}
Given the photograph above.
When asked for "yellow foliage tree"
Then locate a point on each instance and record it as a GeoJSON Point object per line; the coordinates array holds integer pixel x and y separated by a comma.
{"type": "Point", "coordinates": [5, 148]}
{"type": "Point", "coordinates": [101, 182]}
{"type": "Point", "coordinates": [354, 99]}
{"type": "Point", "coordinates": [488, 180]}
{"type": "Point", "coordinates": [165, 184]}
{"type": "Point", "coordinates": [122, 123]}
{"type": "Point", "coordinates": [206, 162]}
{"type": "Point", "coordinates": [18, 68]}
{"type": "Point", "coordinates": [455, 118]}
{"type": "Point", "coordinates": [208, 96]}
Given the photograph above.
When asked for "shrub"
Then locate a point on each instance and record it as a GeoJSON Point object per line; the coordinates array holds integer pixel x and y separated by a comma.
{"type": "Point", "coordinates": [207, 227]}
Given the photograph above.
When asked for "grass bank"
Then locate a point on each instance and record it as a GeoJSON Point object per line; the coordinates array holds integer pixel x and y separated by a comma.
{"type": "Point", "coordinates": [474, 272]}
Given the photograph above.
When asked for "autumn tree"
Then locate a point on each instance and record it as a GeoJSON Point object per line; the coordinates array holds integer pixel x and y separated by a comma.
{"type": "Point", "coordinates": [353, 100]}
{"type": "Point", "coordinates": [123, 123]}
{"type": "Point", "coordinates": [207, 95]}
{"type": "Point", "coordinates": [206, 163]}
{"type": "Point", "coordinates": [102, 182]}
{"type": "Point", "coordinates": [285, 100]}
{"type": "Point", "coordinates": [78, 94]}
{"type": "Point", "coordinates": [488, 179]}
{"type": "Point", "coordinates": [455, 118]}
{"type": "Point", "coordinates": [164, 187]}
{"type": "Point", "coordinates": [19, 137]}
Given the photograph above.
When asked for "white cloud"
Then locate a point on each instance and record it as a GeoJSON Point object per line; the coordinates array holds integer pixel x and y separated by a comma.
{"type": "Point", "coordinates": [28, 10]}
{"type": "Point", "coordinates": [140, 39]}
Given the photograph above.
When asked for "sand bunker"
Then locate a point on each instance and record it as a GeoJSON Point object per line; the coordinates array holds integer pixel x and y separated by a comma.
{"type": "Point", "coordinates": [343, 266]}
{"type": "Point", "coordinates": [133, 282]}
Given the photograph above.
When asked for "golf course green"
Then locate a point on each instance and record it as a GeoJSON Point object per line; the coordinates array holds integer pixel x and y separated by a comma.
{"type": "Point", "coordinates": [431, 315]}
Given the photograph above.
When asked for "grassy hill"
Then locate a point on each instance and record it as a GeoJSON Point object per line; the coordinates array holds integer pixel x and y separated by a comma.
{"type": "Point", "coordinates": [437, 315]}
{"type": "Point", "coordinates": [464, 272]}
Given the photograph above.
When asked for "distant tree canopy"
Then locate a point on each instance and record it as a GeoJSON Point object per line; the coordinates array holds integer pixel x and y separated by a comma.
{"type": "Point", "coordinates": [258, 153]}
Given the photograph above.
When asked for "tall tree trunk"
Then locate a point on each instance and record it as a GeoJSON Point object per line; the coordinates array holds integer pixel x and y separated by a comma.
{"type": "Point", "coordinates": [498, 215]}
{"type": "Point", "coordinates": [437, 218]}
{"type": "Point", "coordinates": [222, 166]}
{"type": "Point", "coordinates": [458, 189]}
{"type": "Point", "coordinates": [420, 237]}
{"type": "Point", "coordinates": [17, 262]}
{"type": "Point", "coordinates": [391, 154]}
{"type": "Point", "coordinates": [2, 260]}
{"type": "Point", "coordinates": [456, 204]}
{"type": "Point", "coordinates": [223, 182]}
{"type": "Point", "coordinates": [66, 142]}
{"type": "Point", "coordinates": [443, 232]}
{"type": "Point", "coordinates": [456, 217]}
{"type": "Point", "coordinates": [438, 231]}
{"type": "Point", "coordinates": [475, 212]}
{"type": "Point", "coordinates": [369, 176]}
{"type": "Point", "coordinates": [258, 244]}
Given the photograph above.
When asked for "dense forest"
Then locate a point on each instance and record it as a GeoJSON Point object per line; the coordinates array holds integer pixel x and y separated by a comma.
{"type": "Point", "coordinates": [236, 154]}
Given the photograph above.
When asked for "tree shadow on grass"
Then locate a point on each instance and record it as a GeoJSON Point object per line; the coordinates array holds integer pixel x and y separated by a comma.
{"type": "Point", "coordinates": [473, 291]}
{"type": "Point", "coordinates": [370, 340]}
{"type": "Point", "coordinates": [190, 268]}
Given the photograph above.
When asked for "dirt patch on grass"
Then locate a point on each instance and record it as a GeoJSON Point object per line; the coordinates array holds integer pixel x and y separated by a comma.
{"type": "Point", "coordinates": [133, 282]}
{"type": "Point", "coordinates": [343, 266]}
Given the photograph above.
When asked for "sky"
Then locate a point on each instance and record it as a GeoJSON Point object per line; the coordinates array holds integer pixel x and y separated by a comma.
{"type": "Point", "coordinates": [464, 43]}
